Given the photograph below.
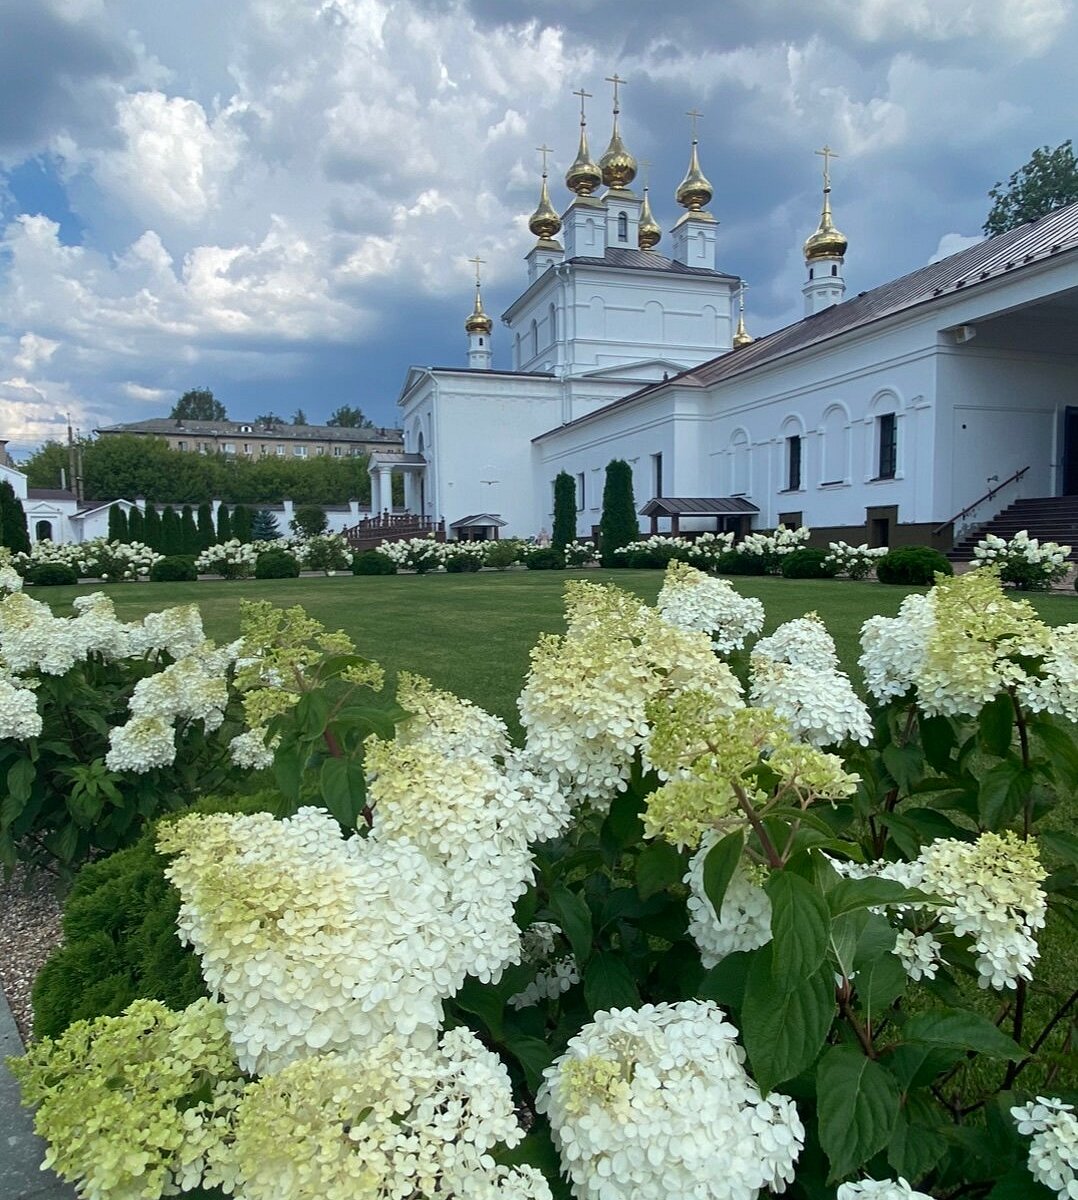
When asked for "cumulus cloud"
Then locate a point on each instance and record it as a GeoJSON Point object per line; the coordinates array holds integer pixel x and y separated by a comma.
{"type": "Point", "coordinates": [952, 243]}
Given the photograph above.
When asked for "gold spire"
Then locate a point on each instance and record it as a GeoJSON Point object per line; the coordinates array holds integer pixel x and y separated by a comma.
{"type": "Point", "coordinates": [826, 242]}
{"type": "Point", "coordinates": [742, 337]}
{"type": "Point", "coordinates": [649, 232]}
{"type": "Point", "coordinates": [544, 222]}
{"type": "Point", "coordinates": [695, 190]}
{"type": "Point", "coordinates": [583, 177]}
{"type": "Point", "coordinates": [617, 165]}
{"type": "Point", "coordinates": [478, 321]}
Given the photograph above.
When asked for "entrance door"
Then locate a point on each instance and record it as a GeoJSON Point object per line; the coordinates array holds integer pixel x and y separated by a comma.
{"type": "Point", "coordinates": [1070, 452]}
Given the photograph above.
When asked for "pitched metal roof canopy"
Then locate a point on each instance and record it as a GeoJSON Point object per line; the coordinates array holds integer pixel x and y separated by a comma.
{"type": "Point", "coordinates": [703, 506]}
{"type": "Point", "coordinates": [644, 260]}
{"type": "Point", "coordinates": [478, 519]}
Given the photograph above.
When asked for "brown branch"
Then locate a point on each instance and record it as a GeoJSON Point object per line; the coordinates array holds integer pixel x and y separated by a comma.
{"type": "Point", "coordinates": [773, 856]}
{"type": "Point", "coordinates": [1045, 1034]}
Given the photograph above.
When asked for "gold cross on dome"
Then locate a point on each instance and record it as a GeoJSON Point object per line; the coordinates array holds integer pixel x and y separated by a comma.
{"type": "Point", "coordinates": [616, 80]}
{"type": "Point", "coordinates": [583, 96]}
{"type": "Point", "coordinates": [695, 115]}
{"type": "Point", "coordinates": [741, 295]}
{"type": "Point", "coordinates": [826, 154]}
{"type": "Point", "coordinates": [478, 263]}
{"type": "Point", "coordinates": [544, 150]}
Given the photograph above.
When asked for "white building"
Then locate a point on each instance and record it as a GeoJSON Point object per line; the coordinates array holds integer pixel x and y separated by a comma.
{"type": "Point", "coordinates": [884, 416]}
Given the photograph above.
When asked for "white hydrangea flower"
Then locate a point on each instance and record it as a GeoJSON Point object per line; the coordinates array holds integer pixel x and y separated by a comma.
{"type": "Point", "coordinates": [10, 579]}
{"type": "Point", "coordinates": [556, 975]}
{"type": "Point", "coordinates": [251, 750]}
{"type": "Point", "coordinates": [644, 1103]}
{"type": "Point", "coordinates": [855, 562]}
{"type": "Point", "coordinates": [920, 953]}
{"type": "Point", "coordinates": [141, 745]}
{"type": "Point", "coordinates": [19, 716]}
{"type": "Point", "coordinates": [879, 1189]}
{"type": "Point", "coordinates": [689, 599]}
{"type": "Point", "coordinates": [778, 543]}
{"type": "Point", "coordinates": [803, 642]}
{"type": "Point", "coordinates": [819, 705]}
{"type": "Point", "coordinates": [415, 554]}
{"type": "Point", "coordinates": [745, 921]}
{"type": "Point", "coordinates": [893, 648]}
{"type": "Point", "coordinates": [1053, 1150]}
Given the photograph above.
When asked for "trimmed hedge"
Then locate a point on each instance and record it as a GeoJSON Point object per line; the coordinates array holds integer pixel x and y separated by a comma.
{"type": "Point", "coordinates": [545, 558]}
{"type": "Point", "coordinates": [912, 565]}
{"type": "Point", "coordinates": [176, 568]}
{"type": "Point", "coordinates": [276, 564]}
{"type": "Point", "coordinates": [503, 554]}
{"type": "Point", "coordinates": [51, 575]}
{"type": "Point", "coordinates": [120, 940]}
{"type": "Point", "coordinates": [733, 562]}
{"type": "Point", "coordinates": [372, 562]}
{"type": "Point", "coordinates": [808, 564]}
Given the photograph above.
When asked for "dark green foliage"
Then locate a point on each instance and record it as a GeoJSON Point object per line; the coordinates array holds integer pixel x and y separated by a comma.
{"type": "Point", "coordinates": [120, 940]}
{"type": "Point", "coordinates": [136, 528]}
{"type": "Point", "coordinates": [189, 540]}
{"type": "Point", "coordinates": [545, 558]}
{"type": "Point", "coordinates": [276, 564]}
{"type": "Point", "coordinates": [1048, 181]}
{"type": "Point", "coordinates": [171, 533]}
{"type": "Point", "coordinates": [241, 523]}
{"type": "Point", "coordinates": [503, 554]}
{"type": "Point", "coordinates": [808, 564]}
{"type": "Point", "coordinates": [117, 524]}
{"type": "Point", "coordinates": [735, 563]}
{"type": "Point", "coordinates": [309, 521]}
{"type": "Point", "coordinates": [51, 575]}
{"type": "Point", "coordinates": [224, 524]}
{"type": "Point", "coordinates": [177, 568]}
{"type": "Point", "coordinates": [199, 404]}
{"type": "Point", "coordinates": [299, 417]}
{"type": "Point", "coordinates": [151, 527]}
{"type": "Point", "coordinates": [916, 566]}
{"type": "Point", "coordinates": [618, 525]}
{"type": "Point", "coordinates": [655, 557]}
{"type": "Point", "coordinates": [371, 562]}
{"type": "Point", "coordinates": [264, 527]}
{"type": "Point", "coordinates": [564, 510]}
{"type": "Point", "coordinates": [13, 531]}
{"type": "Point", "coordinates": [347, 417]}
{"type": "Point", "coordinates": [459, 564]}
{"type": "Point", "coordinates": [207, 534]}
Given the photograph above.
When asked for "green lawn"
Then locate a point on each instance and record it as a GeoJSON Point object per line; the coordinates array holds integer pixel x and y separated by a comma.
{"type": "Point", "coordinates": [472, 633]}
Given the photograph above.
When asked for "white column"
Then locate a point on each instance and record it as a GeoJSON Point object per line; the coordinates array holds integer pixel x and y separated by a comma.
{"type": "Point", "coordinates": [376, 494]}
{"type": "Point", "coordinates": [385, 489]}
{"type": "Point", "coordinates": [409, 491]}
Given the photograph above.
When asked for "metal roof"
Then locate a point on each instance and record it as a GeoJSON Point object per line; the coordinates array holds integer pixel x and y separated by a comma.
{"type": "Point", "coordinates": [49, 494]}
{"type": "Point", "coordinates": [697, 506]}
{"type": "Point", "coordinates": [644, 260]}
{"type": "Point", "coordinates": [478, 519]}
{"type": "Point", "coordinates": [367, 434]}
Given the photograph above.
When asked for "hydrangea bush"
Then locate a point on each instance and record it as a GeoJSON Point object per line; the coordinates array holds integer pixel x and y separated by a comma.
{"type": "Point", "coordinates": [771, 548]}
{"type": "Point", "coordinates": [853, 562]}
{"type": "Point", "coordinates": [1024, 562]}
{"type": "Point", "coordinates": [113, 562]}
{"type": "Point", "coordinates": [420, 554]}
{"type": "Point", "coordinates": [695, 936]}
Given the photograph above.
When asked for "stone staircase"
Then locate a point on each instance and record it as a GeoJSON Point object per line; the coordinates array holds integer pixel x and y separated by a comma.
{"type": "Point", "coordinates": [1048, 518]}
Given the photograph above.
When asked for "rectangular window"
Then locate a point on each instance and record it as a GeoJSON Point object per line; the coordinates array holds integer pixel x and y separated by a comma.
{"type": "Point", "coordinates": [580, 492]}
{"type": "Point", "coordinates": [181, 445]}
{"type": "Point", "coordinates": [299, 451]}
{"type": "Point", "coordinates": [229, 447]}
{"type": "Point", "coordinates": [888, 446]}
{"type": "Point", "coordinates": [793, 463]}
{"type": "Point", "coordinates": [280, 451]}
{"type": "Point", "coordinates": [247, 447]}
{"type": "Point", "coordinates": [656, 475]}
{"type": "Point", "coordinates": [319, 450]}
{"type": "Point", "coordinates": [336, 451]}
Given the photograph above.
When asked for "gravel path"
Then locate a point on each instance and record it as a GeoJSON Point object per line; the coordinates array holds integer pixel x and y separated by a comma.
{"type": "Point", "coordinates": [29, 929]}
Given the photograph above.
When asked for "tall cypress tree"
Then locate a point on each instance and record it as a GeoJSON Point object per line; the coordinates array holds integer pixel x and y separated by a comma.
{"type": "Point", "coordinates": [618, 525]}
{"type": "Point", "coordinates": [151, 526]}
{"type": "Point", "coordinates": [170, 531]}
{"type": "Point", "coordinates": [13, 531]}
{"type": "Point", "coordinates": [241, 523]}
{"type": "Point", "coordinates": [188, 531]}
{"type": "Point", "coordinates": [564, 510]}
{"type": "Point", "coordinates": [224, 525]}
{"type": "Point", "coordinates": [207, 535]}
{"type": "Point", "coordinates": [136, 531]}
{"type": "Point", "coordinates": [117, 524]}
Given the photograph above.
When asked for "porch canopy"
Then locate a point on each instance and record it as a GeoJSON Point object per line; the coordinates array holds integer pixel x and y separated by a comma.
{"type": "Point", "coordinates": [479, 527]}
{"type": "Point", "coordinates": [728, 512]}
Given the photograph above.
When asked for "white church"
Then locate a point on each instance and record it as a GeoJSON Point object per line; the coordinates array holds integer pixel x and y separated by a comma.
{"type": "Point", "coordinates": [902, 415]}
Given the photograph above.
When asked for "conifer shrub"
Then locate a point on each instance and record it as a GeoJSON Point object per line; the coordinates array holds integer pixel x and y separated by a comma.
{"type": "Point", "coordinates": [14, 533]}
{"type": "Point", "coordinates": [808, 564]}
{"type": "Point", "coordinates": [207, 535]}
{"type": "Point", "coordinates": [618, 525]}
{"type": "Point", "coordinates": [189, 539]}
{"type": "Point", "coordinates": [276, 564]}
{"type": "Point", "coordinates": [564, 509]}
{"type": "Point", "coordinates": [117, 524]}
{"type": "Point", "coordinates": [241, 523]}
{"type": "Point", "coordinates": [916, 566]}
{"type": "Point", "coordinates": [264, 527]}
{"type": "Point", "coordinates": [135, 527]}
{"type": "Point", "coordinates": [174, 568]}
{"type": "Point", "coordinates": [120, 940]}
{"type": "Point", "coordinates": [372, 562]}
{"type": "Point", "coordinates": [171, 532]}
{"type": "Point", "coordinates": [51, 574]}
{"type": "Point", "coordinates": [151, 527]}
{"type": "Point", "coordinates": [224, 524]}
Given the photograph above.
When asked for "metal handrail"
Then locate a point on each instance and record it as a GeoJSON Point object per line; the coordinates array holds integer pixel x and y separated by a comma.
{"type": "Point", "coordinates": [976, 503]}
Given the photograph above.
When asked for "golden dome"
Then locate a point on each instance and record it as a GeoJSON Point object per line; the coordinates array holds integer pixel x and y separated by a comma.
{"type": "Point", "coordinates": [583, 177]}
{"type": "Point", "coordinates": [695, 190]}
{"type": "Point", "coordinates": [742, 337]}
{"type": "Point", "coordinates": [478, 321]}
{"type": "Point", "coordinates": [649, 232]}
{"type": "Point", "coordinates": [544, 222]}
{"type": "Point", "coordinates": [826, 242]}
{"type": "Point", "coordinates": [617, 165]}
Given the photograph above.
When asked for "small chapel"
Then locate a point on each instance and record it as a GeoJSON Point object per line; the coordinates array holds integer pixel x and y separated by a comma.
{"type": "Point", "coordinates": [907, 414]}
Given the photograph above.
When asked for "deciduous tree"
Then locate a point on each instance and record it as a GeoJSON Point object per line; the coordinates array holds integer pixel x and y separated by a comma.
{"type": "Point", "coordinates": [347, 417]}
{"type": "Point", "coordinates": [1049, 180]}
{"type": "Point", "coordinates": [199, 404]}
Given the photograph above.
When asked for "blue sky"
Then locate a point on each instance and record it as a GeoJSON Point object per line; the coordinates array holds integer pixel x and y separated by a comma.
{"type": "Point", "coordinates": [277, 199]}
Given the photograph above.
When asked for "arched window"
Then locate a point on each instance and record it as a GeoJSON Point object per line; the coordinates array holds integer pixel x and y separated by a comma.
{"type": "Point", "coordinates": [553, 318]}
{"type": "Point", "coordinates": [836, 445]}
{"type": "Point", "coordinates": [653, 320]}
{"type": "Point", "coordinates": [739, 463]}
{"type": "Point", "coordinates": [793, 434]}
{"type": "Point", "coordinates": [43, 531]}
{"type": "Point", "coordinates": [535, 339]}
{"type": "Point", "coordinates": [623, 227]}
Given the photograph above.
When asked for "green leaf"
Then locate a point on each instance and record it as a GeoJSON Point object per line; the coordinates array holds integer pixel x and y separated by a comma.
{"type": "Point", "coordinates": [311, 713]}
{"type": "Point", "coordinates": [482, 1001]}
{"type": "Point", "coordinates": [343, 789]}
{"type": "Point", "coordinates": [1059, 744]}
{"type": "Point", "coordinates": [622, 826]}
{"type": "Point", "coordinates": [20, 779]}
{"type": "Point", "coordinates": [905, 764]}
{"type": "Point", "coordinates": [1018, 1184]}
{"type": "Point", "coordinates": [658, 867]}
{"type": "Point", "coordinates": [726, 981]}
{"type": "Point", "coordinates": [1002, 793]}
{"type": "Point", "coordinates": [996, 723]}
{"type": "Point", "coordinates": [608, 984]}
{"type": "Point", "coordinates": [1064, 845]}
{"type": "Point", "coordinates": [719, 867]}
{"type": "Point", "coordinates": [937, 741]}
{"type": "Point", "coordinates": [880, 983]}
{"type": "Point", "coordinates": [916, 1146]}
{"type": "Point", "coordinates": [288, 763]}
{"type": "Point", "coordinates": [783, 1033]}
{"type": "Point", "coordinates": [574, 917]}
{"type": "Point", "coordinates": [10, 808]}
{"type": "Point", "coordinates": [961, 1030]}
{"type": "Point", "coordinates": [850, 894]}
{"type": "Point", "coordinates": [800, 927]}
{"type": "Point", "coordinates": [858, 1106]}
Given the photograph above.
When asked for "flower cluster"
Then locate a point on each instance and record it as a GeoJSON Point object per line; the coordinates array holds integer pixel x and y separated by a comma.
{"type": "Point", "coordinates": [46, 552]}
{"type": "Point", "coordinates": [773, 547]}
{"type": "Point", "coordinates": [464, 556]}
{"type": "Point", "coordinates": [415, 554]}
{"type": "Point", "coordinates": [147, 1102]}
{"type": "Point", "coordinates": [1053, 1150]}
{"type": "Point", "coordinates": [10, 579]}
{"type": "Point", "coordinates": [988, 891]}
{"type": "Point", "coordinates": [116, 562]}
{"type": "Point", "coordinates": [689, 599]}
{"type": "Point", "coordinates": [556, 973]}
{"type": "Point", "coordinates": [391, 1122]}
{"type": "Point", "coordinates": [579, 554]}
{"type": "Point", "coordinates": [795, 673]}
{"type": "Point", "coordinates": [745, 920]}
{"type": "Point", "coordinates": [1024, 561]}
{"type": "Point", "coordinates": [659, 547]}
{"type": "Point", "coordinates": [584, 702]}
{"type": "Point", "coordinates": [646, 1102]}
{"type": "Point", "coordinates": [879, 1189]}
{"type": "Point", "coordinates": [854, 562]}
{"type": "Point", "coordinates": [232, 559]}
{"type": "Point", "coordinates": [328, 552]}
